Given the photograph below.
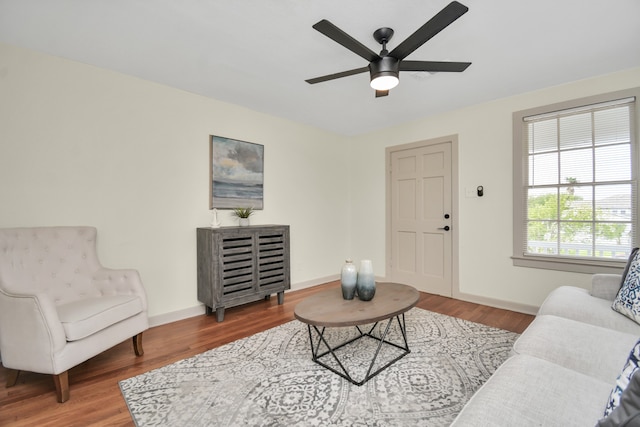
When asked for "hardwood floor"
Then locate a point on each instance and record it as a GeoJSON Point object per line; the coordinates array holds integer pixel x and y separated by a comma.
{"type": "Point", "coordinates": [95, 395]}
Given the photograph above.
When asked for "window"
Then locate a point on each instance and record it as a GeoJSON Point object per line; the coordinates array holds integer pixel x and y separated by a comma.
{"type": "Point", "coordinates": [575, 184]}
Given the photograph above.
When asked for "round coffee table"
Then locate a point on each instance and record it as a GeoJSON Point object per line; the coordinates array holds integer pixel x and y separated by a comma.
{"type": "Point", "coordinates": [327, 309]}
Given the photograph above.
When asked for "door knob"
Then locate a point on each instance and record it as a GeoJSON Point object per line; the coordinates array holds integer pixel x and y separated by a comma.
{"type": "Point", "coordinates": [445, 228]}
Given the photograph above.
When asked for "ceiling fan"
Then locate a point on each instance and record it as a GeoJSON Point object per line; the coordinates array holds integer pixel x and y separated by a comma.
{"type": "Point", "coordinates": [385, 67]}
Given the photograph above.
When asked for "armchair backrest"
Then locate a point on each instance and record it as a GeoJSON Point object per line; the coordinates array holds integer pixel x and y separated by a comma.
{"type": "Point", "coordinates": [58, 261]}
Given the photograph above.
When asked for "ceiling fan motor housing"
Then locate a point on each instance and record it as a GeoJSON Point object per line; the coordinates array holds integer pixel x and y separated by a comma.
{"type": "Point", "coordinates": [385, 66]}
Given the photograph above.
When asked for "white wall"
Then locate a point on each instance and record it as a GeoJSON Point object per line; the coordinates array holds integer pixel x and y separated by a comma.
{"type": "Point", "coordinates": [485, 158]}
{"type": "Point", "coordinates": [81, 145]}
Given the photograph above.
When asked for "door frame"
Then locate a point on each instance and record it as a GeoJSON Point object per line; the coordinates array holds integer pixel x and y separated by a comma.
{"type": "Point", "coordinates": [453, 140]}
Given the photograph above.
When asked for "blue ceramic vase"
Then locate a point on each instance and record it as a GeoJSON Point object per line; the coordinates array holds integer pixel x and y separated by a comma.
{"type": "Point", "coordinates": [366, 283]}
{"type": "Point", "coordinates": [348, 279]}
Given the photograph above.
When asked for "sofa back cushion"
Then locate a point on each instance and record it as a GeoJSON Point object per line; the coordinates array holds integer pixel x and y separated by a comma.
{"type": "Point", "coordinates": [58, 261]}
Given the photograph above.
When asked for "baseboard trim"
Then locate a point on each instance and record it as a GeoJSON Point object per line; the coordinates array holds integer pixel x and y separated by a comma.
{"type": "Point", "coordinates": [174, 316]}
{"type": "Point", "coordinates": [315, 282]}
{"type": "Point", "coordinates": [491, 302]}
{"type": "Point", "coordinates": [198, 310]}
{"type": "Point", "coordinates": [497, 303]}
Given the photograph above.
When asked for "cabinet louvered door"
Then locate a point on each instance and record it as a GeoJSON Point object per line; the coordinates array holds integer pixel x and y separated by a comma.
{"type": "Point", "coordinates": [273, 259]}
{"type": "Point", "coordinates": [237, 265]}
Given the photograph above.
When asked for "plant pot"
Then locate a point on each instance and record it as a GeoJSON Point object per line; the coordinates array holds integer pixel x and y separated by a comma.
{"type": "Point", "coordinates": [244, 222]}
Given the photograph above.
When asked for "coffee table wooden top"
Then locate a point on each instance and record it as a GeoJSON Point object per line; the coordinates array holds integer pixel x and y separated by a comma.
{"type": "Point", "coordinates": [328, 308]}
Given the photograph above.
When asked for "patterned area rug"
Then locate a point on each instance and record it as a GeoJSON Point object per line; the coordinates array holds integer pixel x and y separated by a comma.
{"type": "Point", "coordinates": [269, 379]}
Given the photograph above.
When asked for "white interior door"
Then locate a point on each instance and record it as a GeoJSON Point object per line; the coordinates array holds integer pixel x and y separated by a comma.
{"type": "Point", "coordinates": [421, 216]}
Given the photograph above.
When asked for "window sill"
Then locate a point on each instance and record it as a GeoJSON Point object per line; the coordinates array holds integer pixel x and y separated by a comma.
{"type": "Point", "coordinates": [570, 264]}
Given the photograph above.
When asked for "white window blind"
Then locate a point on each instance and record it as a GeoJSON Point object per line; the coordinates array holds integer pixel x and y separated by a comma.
{"type": "Point", "coordinates": [580, 189]}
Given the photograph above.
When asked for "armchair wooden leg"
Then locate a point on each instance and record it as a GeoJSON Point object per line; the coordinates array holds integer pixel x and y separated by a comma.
{"type": "Point", "coordinates": [12, 377]}
{"type": "Point", "coordinates": [62, 386]}
{"type": "Point", "coordinates": [137, 345]}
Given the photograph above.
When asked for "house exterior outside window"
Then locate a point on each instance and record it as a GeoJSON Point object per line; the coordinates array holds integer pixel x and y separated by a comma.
{"type": "Point", "coordinates": [575, 183]}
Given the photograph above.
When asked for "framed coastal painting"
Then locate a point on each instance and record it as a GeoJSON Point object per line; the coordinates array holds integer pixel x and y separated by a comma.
{"type": "Point", "coordinates": [236, 176]}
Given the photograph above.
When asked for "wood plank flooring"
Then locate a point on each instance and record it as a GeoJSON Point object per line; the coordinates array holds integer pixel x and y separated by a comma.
{"type": "Point", "coordinates": [95, 395]}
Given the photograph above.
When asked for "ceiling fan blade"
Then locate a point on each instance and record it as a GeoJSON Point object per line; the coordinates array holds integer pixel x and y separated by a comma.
{"type": "Point", "coordinates": [380, 93]}
{"type": "Point", "coordinates": [337, 75]}
{"type": "Point", "coordinates": [439, 22]}
{"type": "Point", "coordinates": [434, 66]}
{"type": "Point", "coordinates": [340, 37]}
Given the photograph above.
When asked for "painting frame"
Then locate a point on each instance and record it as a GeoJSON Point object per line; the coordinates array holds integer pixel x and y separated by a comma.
{"type": "Point", "coordinates": [236, 173]}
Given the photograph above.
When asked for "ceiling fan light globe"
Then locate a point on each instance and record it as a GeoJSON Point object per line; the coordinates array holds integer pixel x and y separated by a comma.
{"type": "Point", "coordinates": [385, 82]}
{"type": "Point", "coordinates": [384, 73]}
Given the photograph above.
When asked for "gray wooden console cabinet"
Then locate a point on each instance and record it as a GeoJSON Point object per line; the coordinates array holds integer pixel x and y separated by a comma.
{"type": "Point", "coordinates": [237, 265]}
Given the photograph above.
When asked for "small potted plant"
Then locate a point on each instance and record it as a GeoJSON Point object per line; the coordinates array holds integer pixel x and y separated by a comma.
{"type": "Point", "coordinates": [243, 215]}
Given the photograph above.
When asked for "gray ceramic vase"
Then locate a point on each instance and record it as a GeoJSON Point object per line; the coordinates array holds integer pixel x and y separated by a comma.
{"type": "Point", "coordinates": [366, 283]}
{"type": "Point", "coordinates": [348, 279]}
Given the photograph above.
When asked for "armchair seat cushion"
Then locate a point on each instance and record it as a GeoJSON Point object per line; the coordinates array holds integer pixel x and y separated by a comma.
{"type": "Point", "coordinates": [87, 316]}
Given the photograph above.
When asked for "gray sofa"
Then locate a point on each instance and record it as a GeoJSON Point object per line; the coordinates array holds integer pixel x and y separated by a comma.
{"type": "Point", "coordinates": [563, 367]}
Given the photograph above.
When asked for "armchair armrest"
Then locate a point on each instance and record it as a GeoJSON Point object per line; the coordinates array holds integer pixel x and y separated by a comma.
{"type": "Point", "coordinates": [605, 286]}
{"type": "Point", "coordinates": [29, 325]}
{"type": "Point", "coordinates": [120, 282]}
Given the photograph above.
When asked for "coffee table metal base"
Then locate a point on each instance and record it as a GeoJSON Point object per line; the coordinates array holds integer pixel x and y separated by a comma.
{"type": "Point", "coordinates": [343, 372]}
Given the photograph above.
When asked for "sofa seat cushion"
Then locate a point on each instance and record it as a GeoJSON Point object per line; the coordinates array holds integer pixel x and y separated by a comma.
{"type": "Point", "coordinates": [85, 317]}
{"type": "Point", "coordinates": [592, 350]}
{"type": "Point", "coordinates": [528, 391]}
{"type": "Point", "coordinates": [576, 303]}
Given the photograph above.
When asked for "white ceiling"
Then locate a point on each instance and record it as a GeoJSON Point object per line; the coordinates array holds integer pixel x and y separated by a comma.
{"type": "Point", "coordinates": [258, 53]}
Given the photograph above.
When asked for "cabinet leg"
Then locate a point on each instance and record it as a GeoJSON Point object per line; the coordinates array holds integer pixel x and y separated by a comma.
{"type": "Point", "coordinates": [280, 298]}
{"type": "Point", "coordinates": [267, 297]}
{"type": "Point", "coordinates": [207, 310]}
{"type": "Point", "coordinates": [220, 314]}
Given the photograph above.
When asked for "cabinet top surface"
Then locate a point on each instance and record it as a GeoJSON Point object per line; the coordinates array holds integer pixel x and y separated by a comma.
{"type": "Point", "coordinates": [328, 308]}
{"type": "Point", "coordinates": [237, 227]}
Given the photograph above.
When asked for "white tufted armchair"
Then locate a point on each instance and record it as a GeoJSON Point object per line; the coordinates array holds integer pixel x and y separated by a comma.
{"type": "Point", "coordinates": [58, 306]}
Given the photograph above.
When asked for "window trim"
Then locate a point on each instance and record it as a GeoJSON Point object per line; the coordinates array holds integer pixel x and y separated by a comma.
{"type": "Point", "coordinates": [550, 262]}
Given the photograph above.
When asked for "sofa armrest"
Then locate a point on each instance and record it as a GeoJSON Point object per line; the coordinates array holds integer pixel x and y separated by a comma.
{"type": "Point", "coordinates": [605, 286]}
{"type": "Point", "coordinates": [120, 282]}
{"type": "Point", "coordinates": [30, 331]}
